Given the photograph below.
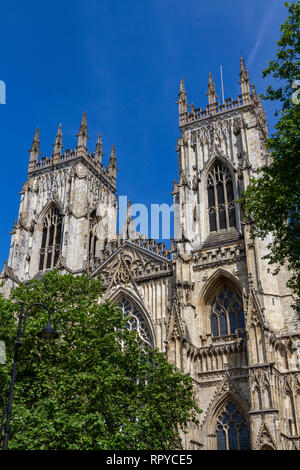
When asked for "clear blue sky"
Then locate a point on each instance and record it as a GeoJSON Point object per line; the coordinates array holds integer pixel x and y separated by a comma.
{"type": "Point", "coordinates": [121, 62]}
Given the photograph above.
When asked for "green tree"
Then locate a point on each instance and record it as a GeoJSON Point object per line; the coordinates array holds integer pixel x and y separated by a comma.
{"type": "Point", "coordinates": [272, 201]}
{"type": "Point", "coordinates": [94, 387]}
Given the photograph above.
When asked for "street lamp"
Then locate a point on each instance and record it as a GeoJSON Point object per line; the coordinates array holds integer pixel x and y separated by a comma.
{"type": "Point", "coordinates": [47, 333]}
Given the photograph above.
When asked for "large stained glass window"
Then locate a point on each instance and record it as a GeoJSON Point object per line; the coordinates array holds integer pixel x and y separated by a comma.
{"type": "Point", "coordinates": [51, 239]}
{"type": "Point", "coordinates": [221, 209]}
{"type": "Point", "coordinates": [136, 321]}
{"type": "Point", "coordinates": [227, 313]}
{"type": "Point", "coordinates": [232, 429]}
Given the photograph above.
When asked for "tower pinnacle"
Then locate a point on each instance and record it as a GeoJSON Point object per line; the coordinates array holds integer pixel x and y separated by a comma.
{"type": "Point", "coordinates": [112, 166]}
{"type": "Point", "coordinates": [82, 134]}
{"type": "Point", "coordinates": [244, 78]}
{"type": "Point", "coordinates": [211, 90]}
{"type": "Point", "coordinates": [99, 149]}
{"type": "Point", "coordinates": [58, 143]}
{"type": "Point", "coordinates": [182, 98]}
{"type": "Point", "coordinates": [35, 147]}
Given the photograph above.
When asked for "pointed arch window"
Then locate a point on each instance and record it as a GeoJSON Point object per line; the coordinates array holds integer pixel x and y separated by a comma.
{"type": "Point", "coordinates": [232, 429]}
{"type": "Point", "coordinates": [93, 239]}
{"type": "Point", "coordinates": [227, 313]}
{"type": "Point", "coordinates": [51, 239]}
{"type": "Point", "coordinates": [220, 193]}
{"type": "Point", "coordinates": [136, 321]}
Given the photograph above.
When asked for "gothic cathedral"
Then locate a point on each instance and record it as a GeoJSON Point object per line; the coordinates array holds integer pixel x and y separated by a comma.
{"type": "Point", "coordinates": [211, 303]}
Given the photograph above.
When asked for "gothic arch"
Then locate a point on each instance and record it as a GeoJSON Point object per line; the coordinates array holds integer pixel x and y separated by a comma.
{"type": "Point", "coordinates": [257, 397]}
{"type": "Point", "coordinates": [220, 275]}
{"type": "Point", "coordinates": [215, 160]}
{"type": "Point", "coordinates": [222, 212]}
{"type": "Point", "coordinates": [122, 292]}
{"type": "Point", "coordinates": [289, 410]}
{"type": "Point", "coordinates": [266, 396]}
{"type": "Point", "coordinates": [92, 234]}
{"type": "Point", "coordinates": [256, 327]}
{"type": "Point", "coordinates": [207, 294]}
{"type": "Point", "coordinates": [227, 398]}
{"type": "Point", "coordinates": [51, 235]}
{"type": "Point", "coordinates": [281, 356]}
{"type": "Point", "coordinates": [47, 207]}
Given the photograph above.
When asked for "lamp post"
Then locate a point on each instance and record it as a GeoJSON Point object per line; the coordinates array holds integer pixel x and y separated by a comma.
{"type": "Point", "coordinates": [48, 333]}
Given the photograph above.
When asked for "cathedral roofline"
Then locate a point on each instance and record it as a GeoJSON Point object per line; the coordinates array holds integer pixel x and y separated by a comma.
{"type": "Point", "coordinates": [188, 113]}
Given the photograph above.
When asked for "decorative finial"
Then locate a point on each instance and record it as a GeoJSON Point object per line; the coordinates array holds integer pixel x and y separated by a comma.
{"type": "Point", "coordinates": [182, 99]}
{"type": "Point", "coordinates": [35, 147]}
{"type": "Point", "coordinates": [112, 165]}
{"type": "Point", "coordinates": [83, 120]}
{"type": "Point", "coordinates": [82, 134]}
{"type": "Point", "coordinates": [211, 90]}
{"type": "Point", "coordinates": [243, 67]}
{"type": "Point", "coordinates": [58, 143]}
{"type": "Point", "coordinates": [182, 89]}
{"type": "Point", "coordinates": [113, 152]}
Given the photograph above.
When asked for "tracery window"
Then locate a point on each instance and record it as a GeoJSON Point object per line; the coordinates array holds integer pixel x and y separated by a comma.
{"type": "Point", "coordinates": [221, 209]}
{"type": "Point", "coordinates": [136, 321]}
{"type": "Point", "coordinates": [232, 429]}
{"type": "Point", "coordinates": [51, 239]}
{"type": "Point", "coordinates": [227, 313]}
{"type": "Point", "coordinates": [93, 236]}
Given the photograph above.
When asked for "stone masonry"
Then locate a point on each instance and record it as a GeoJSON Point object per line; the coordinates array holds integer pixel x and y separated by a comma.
{"type": "Point", "coordinates": [211, 303]}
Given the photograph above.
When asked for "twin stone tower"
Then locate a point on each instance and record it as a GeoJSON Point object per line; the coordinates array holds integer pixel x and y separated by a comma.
{"type": "Point", "coordinates": [211, 303]}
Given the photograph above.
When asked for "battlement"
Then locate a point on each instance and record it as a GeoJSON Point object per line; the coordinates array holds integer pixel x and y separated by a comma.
{"type": "Point", "coordinates": [73, 155]}
{"type": "Point", "coordinates": [198, 114]}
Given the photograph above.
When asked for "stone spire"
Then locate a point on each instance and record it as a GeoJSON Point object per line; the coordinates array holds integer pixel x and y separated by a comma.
{"type": "Point", "coordinates": [112, 166]}
{"type": "Point", "coordinates": [58, 143]}
{"type": "Point", "coordinates": [82, 134]}
{"type": "Point", "coordinates": [182, 98]}
{"type": "Point", "coordinates": [99, 149]}
{"type": "Point", "coordinates": [35, 148]}
{"type": "Point", "coordinates": [244, 78]}
{"type": "Point", "coordinates": [211, 91]}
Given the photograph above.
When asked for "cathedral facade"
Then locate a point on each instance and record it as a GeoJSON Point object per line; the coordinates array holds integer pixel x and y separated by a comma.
{"type": "Point", "coordinates": [211, 302]}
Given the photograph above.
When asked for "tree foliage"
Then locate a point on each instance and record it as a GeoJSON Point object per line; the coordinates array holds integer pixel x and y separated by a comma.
{"type": "Point", "coordinates": [94, 387]}
{"type": "Point", "coordinates": [272, 201]}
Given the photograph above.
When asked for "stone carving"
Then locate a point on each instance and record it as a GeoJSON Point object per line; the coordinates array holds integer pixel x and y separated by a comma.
{"type": "Point", "coordinates": [134, 264]}
{"type": "Point", "coordinates": [264, 439]}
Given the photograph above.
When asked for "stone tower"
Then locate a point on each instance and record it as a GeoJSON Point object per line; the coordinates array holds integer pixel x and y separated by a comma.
{"type": "Point", "coordinates": [211, 303]}
{"type": "Point", "coordinates": [67, 210]}
{"type": "Point", "coordinates": [234, 329]}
